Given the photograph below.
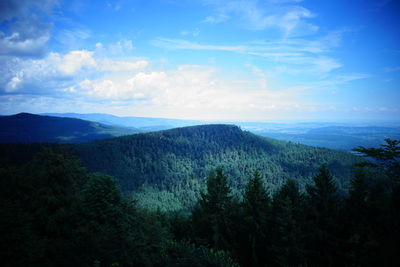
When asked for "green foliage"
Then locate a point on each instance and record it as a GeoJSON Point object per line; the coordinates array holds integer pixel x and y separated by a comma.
{"type": "Point", "coordinates": [168, 169]}
{"type": "Point", "coordinates": [256, 208]}
{"type": "Point", "coordinates": [178, 161]}
{"type": "Point", "coordinates": [182, 254]}
{"type": "Point", "coordinates": [373, 207]}
{"type": "Point", "coordinates": [322, 216]}
{"type": "Point", "coordinates": [210, 217]}
{"type": "Point", "coordinates": [386, 160]}
{"type": "Point", "coordinates": [288, 226]}
{"type": "Point", "coordinates": [53, 212]}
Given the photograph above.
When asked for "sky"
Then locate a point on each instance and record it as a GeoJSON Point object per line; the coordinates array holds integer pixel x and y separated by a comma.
{"type": "Point", "coordinates": [253, 60]}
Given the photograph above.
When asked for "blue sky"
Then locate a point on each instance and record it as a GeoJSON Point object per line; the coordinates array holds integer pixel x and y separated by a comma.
{"type": "Point", "coordinates": [250, 60]}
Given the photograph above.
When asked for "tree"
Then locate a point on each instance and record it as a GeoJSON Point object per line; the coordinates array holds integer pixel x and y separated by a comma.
{"type": "Point", "coordinates": [210, 216]}
{"type": "Point", "coordinates": [256, 208]}
{"type": "Point", "coordinates": [322, 217]}
{"type": "Point", "coordinates": [383, 198]}
{"type": "Point", "coordinates": [288, 225]}
{"type": "Point", "coordinates": [386, 160]}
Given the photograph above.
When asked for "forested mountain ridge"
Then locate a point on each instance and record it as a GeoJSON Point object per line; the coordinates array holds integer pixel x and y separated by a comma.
{"type": "Point", "coordinates": [31, 128]}
{"type": "Point", "coordinates": [171, 166]}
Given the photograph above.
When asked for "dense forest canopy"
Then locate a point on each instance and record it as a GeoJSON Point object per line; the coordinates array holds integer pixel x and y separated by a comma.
{"type": "Point", "coordinates": [175, 163]}
{"type": "Point", "coordinates": [56, 213]}
{"type": "Point", "coordinates": [168, 169]}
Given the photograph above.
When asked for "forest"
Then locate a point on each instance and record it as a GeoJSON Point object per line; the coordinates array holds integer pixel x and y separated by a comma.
{"type": "Point", "coordinates": [167, 170]}
{"type": "Point", "coordinates": [54, 212]}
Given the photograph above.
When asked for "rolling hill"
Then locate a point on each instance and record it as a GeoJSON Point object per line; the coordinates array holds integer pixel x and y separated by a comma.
{"type": "Point", "coordinates": [30, 128]}
{"type": "Point", "coordinates": [171, 166]}
{"type": "Point", "coordinates": [335, 135]}
{"type": "Point", "coordinates": [168, 169]}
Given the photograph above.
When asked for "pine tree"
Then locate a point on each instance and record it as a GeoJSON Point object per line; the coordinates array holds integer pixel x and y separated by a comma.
{"type": "Point", "coordinates": [322, 219]}
{"type": "Point", "coordinates": [256, 208]}
{"type": "Point", "coordinates": [288, 224]}
{"type": "Point", "coordinates": [210, 216]}
{"type": "Point", "coordinates": [386, 160]}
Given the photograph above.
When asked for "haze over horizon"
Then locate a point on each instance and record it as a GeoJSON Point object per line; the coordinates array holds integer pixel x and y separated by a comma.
{"type": "Point", "coordinates": [202, 59]}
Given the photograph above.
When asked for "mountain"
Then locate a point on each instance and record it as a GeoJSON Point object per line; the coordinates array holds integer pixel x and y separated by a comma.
{"type": "Point", "coordinates": [142, 123]}
{"type": "Point", "coordinates": [335, 135]}
{"type": "Point", "coordinates": [168, 169]}
{"type": "Point", "coordinates": [30, 128]}
{"type": "Point", "coordinates": [171, 166]}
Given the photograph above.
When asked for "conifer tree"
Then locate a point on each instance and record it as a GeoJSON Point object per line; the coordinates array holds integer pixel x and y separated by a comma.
{"type": "Point", "coordinates": [322, 217]}
{"type": "Point", "coordinates": [210, 216]}
{"type": "Point", "coordinates": [288, 224]}
{"type": "Point", "coordinates": [256, 208]}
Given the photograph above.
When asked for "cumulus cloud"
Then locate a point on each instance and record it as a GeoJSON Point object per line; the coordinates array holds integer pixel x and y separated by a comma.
{"type": "Point", "coordinates": [59, 71]}
{"type": "Point", "coordinates": [14, 44]}
{"type": "Point", "coordinates": [121, 65]}
{"type": "Point", "coordinates": [74, 61]}
{"type": "Point", "coordinates": [24, 33]}
{"type": "Point", "coordinates": [192, 90]}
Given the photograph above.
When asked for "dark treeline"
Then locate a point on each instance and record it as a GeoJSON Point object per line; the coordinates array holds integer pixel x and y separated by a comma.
{"type": "Point", "coordinates": [53, 212]}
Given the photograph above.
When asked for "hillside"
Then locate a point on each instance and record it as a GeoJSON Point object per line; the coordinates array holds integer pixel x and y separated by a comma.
{"type": "Point", "coordinates": [171, 166]}
{"type": "Point", "coordinates": [335, 135]}
{"type": "Point", "coordinates": [30, 128]}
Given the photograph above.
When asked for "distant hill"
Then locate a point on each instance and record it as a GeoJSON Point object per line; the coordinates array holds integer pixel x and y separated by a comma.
{"type": "Point", "coordinates": [142, 123]}
{"type": "Point", "coordinates": [336, 137]}
{"type": "Point", "coordinates": [30, 128]}
{"type": "Point", "coordinates": [171, 166]}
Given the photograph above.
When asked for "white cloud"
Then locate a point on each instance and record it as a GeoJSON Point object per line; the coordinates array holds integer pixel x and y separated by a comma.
{"type": "Point", "coordinates": [193, 90]}
{"type": "Point", "coordinates": [14, 45]}
{"type": "Point", "coordinates": [26, 34]}
{"type": "Point", "coordinates": [298, 55]}
{"type": "Point", "coordinates": [57, 72]}
{"type": "Point", "coordinates": [121, 65]}
{"type": "Point", "coordinates": [74, 61]}
{"type": "Point", "coordinates": [218, 18]}
{"type": "Point", "coordinates": [73, 37]}
{"type": "Point", "coordinates": [183, 44]}
{"type": "Point", "coordinates": [293, 22]}
{"type": "Point", "coordinates": [12, 85]}
{"type": "Point", "coordinates": [324, 64]}
{"type": "Point", "coordinates": [260, 15]}
{"type": "Point", "coordinates": [120, 47]}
